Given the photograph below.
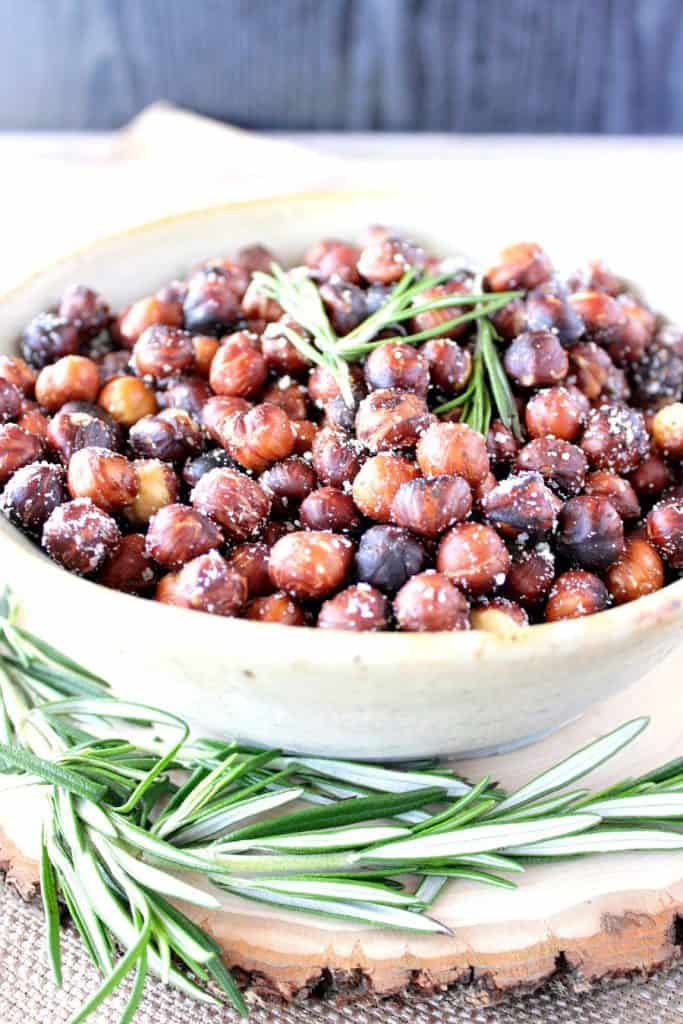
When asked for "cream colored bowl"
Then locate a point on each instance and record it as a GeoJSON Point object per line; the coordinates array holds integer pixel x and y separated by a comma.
{"type": "Point", "coordinates": [344, 694]}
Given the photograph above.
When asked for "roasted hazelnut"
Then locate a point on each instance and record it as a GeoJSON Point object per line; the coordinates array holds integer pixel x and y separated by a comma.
{"type": "Point", "coordinates": [498, 615]}
{"type": "Point", "coordinates": [86, 309]}
{"type": "Point", "coordinates": [501, 445]}
{"type": "Point", "coordinates": [239, 367]}
{"type": "Point", "coordinates": [531, 574]}
{"type": "Point", "coordinates": [429, 603]}
{"type": "Point", "coordinates": [521, 505]}
{"type": "Point", "coordinates": [591, 367]}
{"type": "Point", "coordinates": [429, 505]}
{"type": "Point", "coordinates": [340, 413]}
{"type": "Point", "coordinates": [71, 378]}
{"type": "Point", "coordinates": [557, 411]}
{"type": "Point", "coordinates": [387, 557]}
{"type": "Point", "coordinates": [667, 430]}
{"type": "Point", "coordinates": [562, 465]}
{"type": "Point", "coordinates": [665, 530]}
{"type": "Point", "coordinates": [616, 490]}
{"type": "Point", "coordinates": [257, 306]}
{"type": "Point", "coordinates": [260, 437]}
{"type": "Point", "coordinates": [638, 571]}
{"type": "Point", "coordinates": [453, 449]}
{"type": "Point", "coordinates": [273, 530]}
{"type": "Point", "coordinates": [395, 365]}
{"type": "Point", "coordinates": [288, 483]}
{"type": "Point", "coordinates": [18, 448]}
{"type": "Point", "coordinates": [331, 257]}
{"type": "Point", "coordinates": [32, 493]}
{"type": "Point", "coordinates": [310, 564]}
{"type": "Point", "coordinates": [434, 319]}
{"type": "Point", "coordinates": [251, 561]}
{"type": "Point", "coordinates": [511, 319]}
{"type": "Point", "coordinates": [205, 349]}
{"type": "Point", "coordinates": [376, 484]}
{"type": "Point", "coordinates": [80, 536]}
{"type": "Point", "coordinates": [11, 401]}
{"type": "Point", "coordinates": [473, 557]}
{"type": "Point", "coordinates": [305, 433]}
{"type": "Point", "coordinates": [615, 438]}
{"type": "Point", "coordinates": [651, 477]}
{"type": "Point", "coordinates": [171, 435]}
{"type": "Point", "coordinates": [483, 488]}
{"type": "Point", "coordinates": [523, 265]}
{"type": "Point", "coordinates": [206, 584]}
{"type": "Point", "coordinates": [591, 533]}
{"type": "Point", "coordinates": [329, 509]}
{"type": "Point", "coordinates": [162, 352]}
{"type": "Point", "coordinates": [548, 309]}
{"type": "Point", "coordinates": [15, 371]}
{"type": "Point", "coordinates": [69, 431]}
{"type": "Point", "coordinates": [391, 418]}
{"type": "Point", "coordinates": [634, 335]}
{"type": "Point", "coordinates": [113, 364]}
{"type": "Point", "coordinates": [602, 315]}
{"type": "Point", "coordinates": [291, 397]}
{"type": "Point", "coordinates": [323, 387]}
{"type": "Point", "coordinates": [105, 477]}
{"type": "Point", "coordinates": [386, 260]}
{"type": "Point", "coordinates": [178, 533]}
{"type": "Point", "coordinates": [233, 500]}
{"type": "Point", "coordinates": [336, 458]}
{"type": "Point", "coordinates": [574, 595]}
{"type": "Point", "coordinates": [128, 568]}
{"type": "Point", "coordinates": [279, 608]}
{"type": "Point", "coordinates": [345, 304]}
{"type": "Point", "coordinates": [659, 374]}
{"type": "Point", "coordinates": [188, 393]}
{"type": "Point", "coordinates": [217, 411]}
{"type": "Point", "coordinates": [232, 271]}
{"type": "Point", "coordinates": [127, 400]}
{"type": "Point", "coordinates": [48, 337]}
{"type": "Point", "coordinates": [146, 313]}
{"type": "Point", "coordinates": [157, 486]}
{"type": "Point", "coordinates": [255, 257]}
{"type": "Point", "coordinates": [536, 359]}
{"type": "Point", "coordinates": [33, 421]}
{"type": "Point", "coordinates": [212, 303]}
{"type": "Point", "coordinates": [450, 366]}
{"type": "Point", "coordinates": [195, 469]}
{"type": "Point", "coordinates": [359, 609]}
{"type": "Point", "coordinates": [597, 276]}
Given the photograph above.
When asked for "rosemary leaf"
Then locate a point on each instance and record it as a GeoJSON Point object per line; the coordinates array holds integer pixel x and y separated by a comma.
{"type": "Point", "coordinates": [48, 891]}
{"type": "Point", "coordinates": [55, 774]}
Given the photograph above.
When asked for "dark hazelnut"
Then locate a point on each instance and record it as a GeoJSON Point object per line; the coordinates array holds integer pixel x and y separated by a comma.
{"type": "Point", "coordinates": [616, 490]}
{"type": "Point", "coordinates": [171, 435]}
{"type": "Point", "coordinates": [536, 359]}
{"type": "Point", "coordinates": [387, 557]}
{"type": "Point", "coordinates": [11, 401]}
{"type": "Point", "coordinates": [48, 337]}
{"type": "Point", "coordinates": [336, 458]}
{"type": "Point", "coordinates": [557, 411]}
{"type": "Point", "coordinates": [127, 400]}
{"type": "Point", "coordinates": [665, 530]}
{"type": "Point", "coordinates": [386, 260]}
{"type": "Point", "coordinates": [473, 557]}
{"type": "Point", "coordinates": [450, 365]}
{"type": "Point", "coordinates": [521, 505]}
{"type": "Point", "coordinates": [233, 500]}
{"type": "Point", "coordinates": [562, 465]}
{"type": "Point", "coordinates": [230, 271]}
{"type": "Point", "coordinates": [453, 449]}
{"type": "Point", "coordinates": [523, 265]}
{"type": "Point", "coordinates": [511, 319]}
{"type": "Point", "coordinates": [206, 584]}
{"type": "Point", "coordinates": [194, 469]}
{"type": "Point", "coordinates": [346, 304]}
{"type": "Point", "coordinates": [615, 438]}
{"type": "Point", "coordinates": [395, 365]}
{"type": "Point", "coordinates": [105, 477]}
{"type": "Point", "coordinates": [323, 387]}
{"type": "Point", "coordinates": [33, 421]}
{"type": "Point", "coordinates": [591, 368]}
{"type": "Point", "coordinates": [162, 352]}
{"type": "Point", "coordinates": [359, 609]}
{"type": "Point", "coordinates": [239, 367]}
{"type": "Point", "coordinates": [391, 418]}
{"type": "Point", "coordinates": [305, 433]}
{"type": "Point", "coordinates": [602, 315]}
{"type": "Point", "coordinates": [177, 534]}
{"type": "Point", "coordinates": [659, 374]}
{"type": "Point", "coordinates": [146, 313]}
{"type": "Point", "coordinates": [501, 444]}
{"type": "Point", "coordinates": [212, 303]}
{"type": "Point", "coordinates": [15, 371]}
{"type": "Point", "coordinates": [113, 364]}
{"type": "Point", "coordinates": [376, 484]}
{"type": "Point", "coordinates": [597, 276]}
{"type": "Point", "coordinates": [70, 431]}
{"type": "Point", "coordinates": [651, 477]}
{"type": "Point", "coordinates": [32, 493]}
{"type": "Point", "coordinates": [18, 448]}
{"type": "Point", "coordinates": [591, 533]}
{"type": "Point", "coordinates": [634, 335]}
{"type": "Point", "coordinates": [440, 318]}
{"type": "Point", "coordinates": [548, 309]}
{"type": "Point", "coordinates": [429, 603]}
{"type": "Point", "coordinates": [80, 536]}
{"type": "Point", "coordinates": [259, 437]}
{"type": "Point", "coordinates": [279, 608]}
{"type": "Point", "coordinates": [331, 257]}
{"type": "Point", "coordinates": [288, 483]}
{"type": "Point", "coordinates": [255, 257]}
{"type": "Point", "coordinates": [310, 564]}
{"type": "Point", "coordinates": [638, 571]}
{"type": "Point", "coordinates": [86, 309]}
{"type": "Point", "coordinates": [328, 508]}
{"type": "Point", "coordinates": [188, 393]}
{"type": "Point", "coordinates": [429, 505]}
{"type": "Point", "coordinates": [531, 574]}
{"type": "Point", "coordinates": [157, 486]}
{"type": "Point", "coordinates": [128, 568]}
{"type": "Point", "coordinates": [574, 595]}
{"type": "Point", "coordinates": [251, 562]}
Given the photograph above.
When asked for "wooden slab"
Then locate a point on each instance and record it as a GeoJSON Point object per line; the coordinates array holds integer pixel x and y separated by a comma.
{"type": "Point", "coordinates": [611, 914]}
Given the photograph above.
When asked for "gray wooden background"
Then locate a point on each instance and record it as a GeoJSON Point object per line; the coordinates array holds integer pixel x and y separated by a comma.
{"type": "Point", "coordinates": [435, 65]}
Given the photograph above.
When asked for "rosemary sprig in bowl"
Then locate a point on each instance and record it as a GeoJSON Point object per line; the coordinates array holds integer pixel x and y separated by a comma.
{"type": "Point", "coordinates": [126, 822]}
{"type": "Point", "coordinates": [489, 389]}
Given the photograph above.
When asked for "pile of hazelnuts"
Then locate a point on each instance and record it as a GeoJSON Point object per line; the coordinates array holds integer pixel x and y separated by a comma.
{"type": "Point", "coordinates": [184, 449]}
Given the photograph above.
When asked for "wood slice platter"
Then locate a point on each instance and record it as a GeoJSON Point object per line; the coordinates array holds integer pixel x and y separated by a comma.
{"type": "Point", "coordinates": [602, 915]}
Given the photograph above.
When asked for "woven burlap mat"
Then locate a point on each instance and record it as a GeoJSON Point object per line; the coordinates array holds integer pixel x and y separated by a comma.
{"type": "Point", "coordinates": [28, 996]}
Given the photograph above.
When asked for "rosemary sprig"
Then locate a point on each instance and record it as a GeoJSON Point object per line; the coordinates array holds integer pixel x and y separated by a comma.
{"type": "Point", "coordinates": [489, 387]}
{"type": "Point", "coordinates": [127, 820]}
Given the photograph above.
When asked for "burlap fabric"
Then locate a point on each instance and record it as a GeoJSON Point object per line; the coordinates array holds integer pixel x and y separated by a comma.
{"type": "Point", "coordinates": [28, 995]}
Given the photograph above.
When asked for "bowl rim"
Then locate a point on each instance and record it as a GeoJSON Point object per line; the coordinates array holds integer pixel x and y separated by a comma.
{"type": "Point", "coordinates": [639, 616]}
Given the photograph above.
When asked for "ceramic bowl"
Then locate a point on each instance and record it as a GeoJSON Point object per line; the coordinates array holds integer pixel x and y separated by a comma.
{"type": "Point", "coordinates": [376, 696]}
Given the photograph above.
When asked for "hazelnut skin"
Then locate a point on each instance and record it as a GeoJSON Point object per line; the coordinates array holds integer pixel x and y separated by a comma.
{"type": "Point", "coordinates": [310, 564]}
